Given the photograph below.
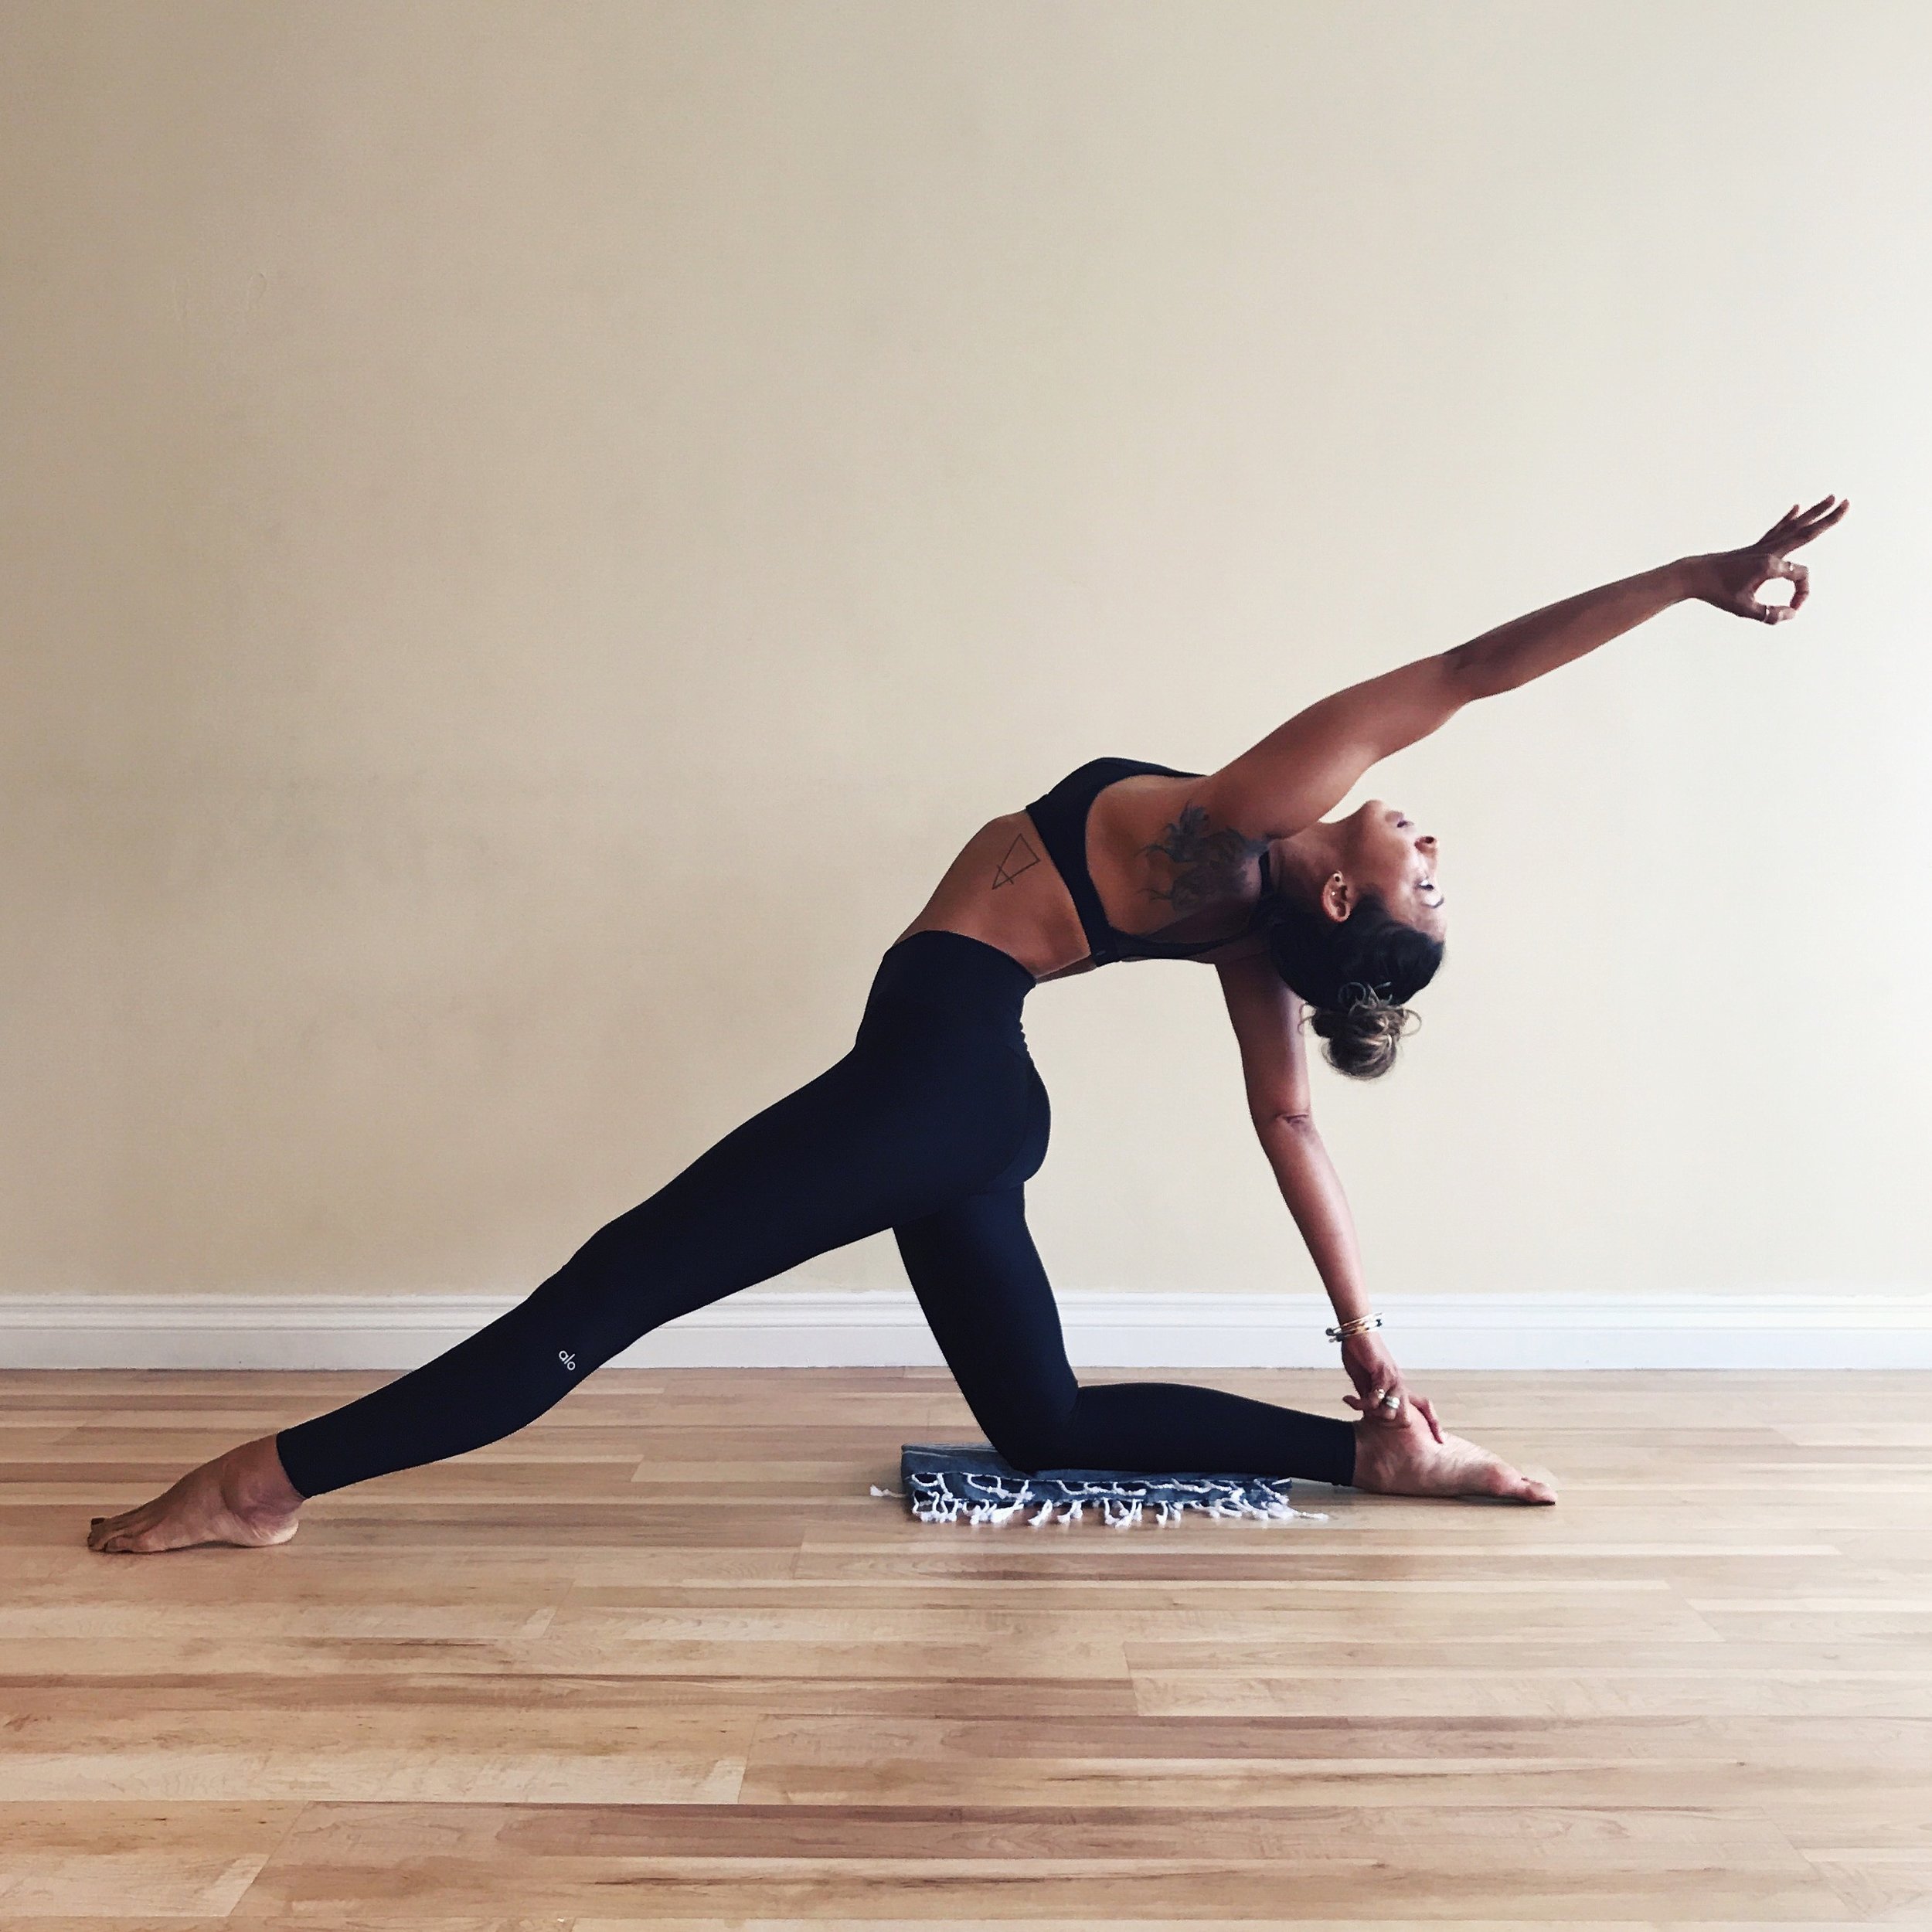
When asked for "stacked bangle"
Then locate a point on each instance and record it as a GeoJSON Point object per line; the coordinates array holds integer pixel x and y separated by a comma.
{"type": "Point", "coordinates": [1360, 1323]}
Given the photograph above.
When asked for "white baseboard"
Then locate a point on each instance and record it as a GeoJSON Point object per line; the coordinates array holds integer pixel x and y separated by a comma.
{"type": "Point", "coordinates": [836, 1327]}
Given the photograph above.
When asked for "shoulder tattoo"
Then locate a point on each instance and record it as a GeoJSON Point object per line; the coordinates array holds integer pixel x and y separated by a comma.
{"type": "Point", "coordinates": [1208, 865]}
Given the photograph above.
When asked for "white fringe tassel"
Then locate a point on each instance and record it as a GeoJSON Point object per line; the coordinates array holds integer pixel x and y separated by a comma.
{"type": "Point", "coordinates": [1121, 1505]}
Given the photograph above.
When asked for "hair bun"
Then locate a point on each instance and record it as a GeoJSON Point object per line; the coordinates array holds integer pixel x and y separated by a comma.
{"type": "Point", "coordinates": [1362, 1034]}
{"type": "Point", "coordinates": [1351, 975]}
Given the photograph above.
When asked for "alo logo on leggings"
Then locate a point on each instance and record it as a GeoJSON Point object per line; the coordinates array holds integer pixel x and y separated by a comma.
{"type": "Point", "coordinates": [568, 1359]}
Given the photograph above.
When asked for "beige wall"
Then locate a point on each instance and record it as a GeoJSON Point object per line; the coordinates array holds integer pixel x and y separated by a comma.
{"type": "Point", "coordinates": [532, 532]}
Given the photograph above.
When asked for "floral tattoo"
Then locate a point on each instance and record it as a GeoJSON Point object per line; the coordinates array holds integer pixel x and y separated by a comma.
{"type": "Point", "coordinates": [1208, 865]}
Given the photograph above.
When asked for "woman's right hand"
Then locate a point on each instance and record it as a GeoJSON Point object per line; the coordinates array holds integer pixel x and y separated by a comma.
{"type": "Point", "coordinates": [1372, 1369]}
{"type": "Point", "coordinates": [1731, 578]}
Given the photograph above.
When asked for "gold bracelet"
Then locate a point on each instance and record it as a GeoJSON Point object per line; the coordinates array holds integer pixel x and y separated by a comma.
{"type": "Point", "coordinates": [1359, 1326]}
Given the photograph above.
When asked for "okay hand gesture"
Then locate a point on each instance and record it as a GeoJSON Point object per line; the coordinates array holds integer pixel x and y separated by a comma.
{"type": "Point", "coordinates": [1731, 578]}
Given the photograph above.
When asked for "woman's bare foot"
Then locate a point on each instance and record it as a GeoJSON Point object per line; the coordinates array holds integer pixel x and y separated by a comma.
{"type": "Point", "coordinates": [1404, 1459]}
{"type": "Point", "coordinates": [242, 1497]}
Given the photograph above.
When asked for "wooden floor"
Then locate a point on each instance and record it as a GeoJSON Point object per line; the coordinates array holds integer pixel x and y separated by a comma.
{"type": "Point", "coordinates": [661, 1659]}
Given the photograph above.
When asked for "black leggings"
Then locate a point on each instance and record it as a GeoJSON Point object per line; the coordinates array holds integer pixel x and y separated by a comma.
{"type": "Point", "coordinates": [929, 1126]}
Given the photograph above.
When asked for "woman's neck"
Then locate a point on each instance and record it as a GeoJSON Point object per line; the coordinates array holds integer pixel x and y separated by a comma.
{"type": "Point", "coordinates": [1304, 859]}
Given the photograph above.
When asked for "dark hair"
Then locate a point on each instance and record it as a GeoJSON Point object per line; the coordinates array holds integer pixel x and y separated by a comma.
{"type": "Point", "coordinates": [1354, 973]}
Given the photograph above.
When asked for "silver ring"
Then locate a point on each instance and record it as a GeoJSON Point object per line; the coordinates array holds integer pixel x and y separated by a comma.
{"type": "Point", "coordinates": [1391, 1400]}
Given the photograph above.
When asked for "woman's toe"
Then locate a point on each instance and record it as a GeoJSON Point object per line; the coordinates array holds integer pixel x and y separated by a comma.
{"type": "Point", "coordinates": [1534, 1488]}
{"type": "Point", "coordinates": [111, 1532]}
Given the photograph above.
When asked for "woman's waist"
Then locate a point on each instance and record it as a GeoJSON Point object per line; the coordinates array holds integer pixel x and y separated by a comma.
{"type": "Point", "coordinates": [935, 977]}
{"type": "Point", "coordinates": [1002, 890]}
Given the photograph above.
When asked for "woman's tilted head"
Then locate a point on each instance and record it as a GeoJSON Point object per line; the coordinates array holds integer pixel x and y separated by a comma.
{"type": "Point", "coordinates": [1337, 940]}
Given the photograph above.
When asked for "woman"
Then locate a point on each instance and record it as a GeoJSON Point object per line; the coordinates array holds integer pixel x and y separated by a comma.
{"type": "Point", "coordinates": [935, 1120]}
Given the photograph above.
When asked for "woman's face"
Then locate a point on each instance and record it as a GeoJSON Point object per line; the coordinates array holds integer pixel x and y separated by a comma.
{"type": "Point", "coordinates": [1387, 854]}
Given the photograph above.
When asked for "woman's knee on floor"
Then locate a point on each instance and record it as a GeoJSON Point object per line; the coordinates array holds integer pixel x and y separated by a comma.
{"type": "Point", "coordinates": [1033, 1440]}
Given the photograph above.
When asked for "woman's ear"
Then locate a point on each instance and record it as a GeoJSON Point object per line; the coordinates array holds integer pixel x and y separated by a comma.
{"type": "Point", "coordinates": [1337, 897]}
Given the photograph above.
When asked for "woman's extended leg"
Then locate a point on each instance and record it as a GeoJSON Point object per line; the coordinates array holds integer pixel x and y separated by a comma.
{"type": "Point", "coordinates": [909, 1118]}
{"type": "Point", "coordinates": [980, 1280]}
{"type": "Point", "coordinates": [836, 1160]}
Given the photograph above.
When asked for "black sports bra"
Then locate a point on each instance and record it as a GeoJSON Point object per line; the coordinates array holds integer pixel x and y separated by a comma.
{"type": "Point", "coordinates": [1060, 819]}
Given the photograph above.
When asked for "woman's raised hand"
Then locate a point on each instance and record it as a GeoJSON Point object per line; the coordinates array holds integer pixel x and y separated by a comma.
{"type": "Point", "coordinates": [1731, 578]}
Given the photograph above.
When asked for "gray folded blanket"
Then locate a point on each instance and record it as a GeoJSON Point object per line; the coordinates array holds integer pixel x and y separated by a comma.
{"type": "Point", "coordinates": [952, 1481]}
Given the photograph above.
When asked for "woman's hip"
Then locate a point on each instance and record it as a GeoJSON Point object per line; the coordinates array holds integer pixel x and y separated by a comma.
{"type": "Point", "coordinates": [935, 984]}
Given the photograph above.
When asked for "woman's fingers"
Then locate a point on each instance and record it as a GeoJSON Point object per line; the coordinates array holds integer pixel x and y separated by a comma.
{"type": "Point", "coordinates": [1751, 605]}
{"type": "Point", "coordinates": [1748, 571]}
{"type": "Point", "coordinates": [1814, 523]}
{"type": "Point", "coordinates": [1428, 1410]}
{"type": "Point", "coordinates": [1811, 524]}
{"type": "Point", "coordinates": [1374, 1410]}
{"type": "Point", "coordinates": [1800, 579]}
{"type": "Point", "coordinates": [1798, 526]}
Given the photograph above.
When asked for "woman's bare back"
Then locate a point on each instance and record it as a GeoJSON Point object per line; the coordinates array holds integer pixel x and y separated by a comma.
{"type": "Point", "coordinates": [1004, 890]}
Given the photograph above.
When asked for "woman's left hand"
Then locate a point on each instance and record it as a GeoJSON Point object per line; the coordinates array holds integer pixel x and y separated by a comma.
{"type": "Point", "coordinates": [1372, 1370]}
{"type": "Point", "coordinates": [1732, 578]}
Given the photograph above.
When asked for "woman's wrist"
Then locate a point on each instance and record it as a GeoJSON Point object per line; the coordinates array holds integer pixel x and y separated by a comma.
{"type": "Point", "coordinates": [1355, 1325]}
{"type": "Point", "coordinates": [1689, 577]}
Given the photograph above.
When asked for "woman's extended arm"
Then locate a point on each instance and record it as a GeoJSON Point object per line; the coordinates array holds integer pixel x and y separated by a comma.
{"type": "Point", "coordinates": [1307, 766]}
{"type": "Point", "coordinates": [1266, 1017]}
